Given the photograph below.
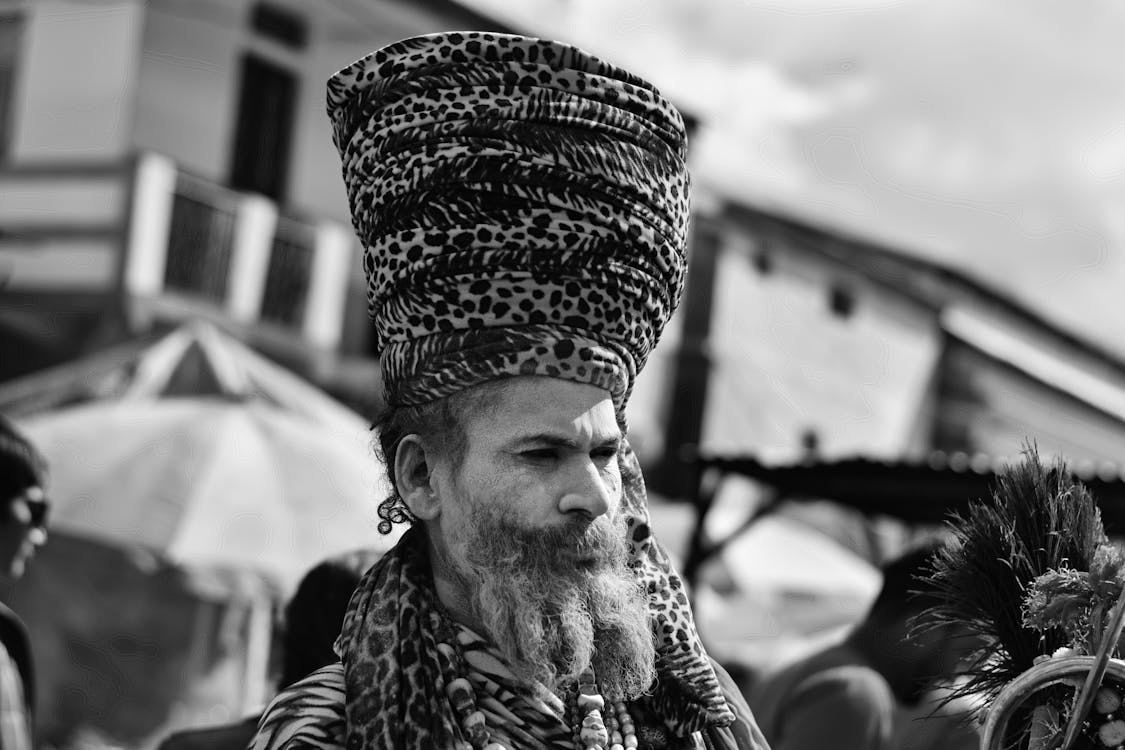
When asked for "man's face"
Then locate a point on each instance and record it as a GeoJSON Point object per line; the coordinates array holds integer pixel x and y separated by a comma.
{"type": "Point", "coordinates": [531, 526]}
{"type": "Point", "coordinates": [541, 450]}
{"type": "Point", "coordinates": [23, 532]}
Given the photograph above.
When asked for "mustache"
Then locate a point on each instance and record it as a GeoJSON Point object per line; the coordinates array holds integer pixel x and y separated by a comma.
{"type": "Point", "coordinates": [597, 542]}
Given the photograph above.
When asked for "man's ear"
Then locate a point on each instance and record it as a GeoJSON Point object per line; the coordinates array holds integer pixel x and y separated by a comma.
{"type": "Point", "coordinates": [414, 478]}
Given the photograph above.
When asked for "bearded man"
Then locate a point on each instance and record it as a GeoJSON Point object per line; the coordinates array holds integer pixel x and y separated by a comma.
{"type": "Point", "coordinates": [524, 208]}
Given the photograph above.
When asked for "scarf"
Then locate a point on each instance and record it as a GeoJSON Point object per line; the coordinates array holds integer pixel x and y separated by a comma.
{"type": "Point", "coordinates": [391, 683]}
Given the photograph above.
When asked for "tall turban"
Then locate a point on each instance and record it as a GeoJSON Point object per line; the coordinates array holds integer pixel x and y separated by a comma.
{"type": "Point", "coordinates": [523, 207]}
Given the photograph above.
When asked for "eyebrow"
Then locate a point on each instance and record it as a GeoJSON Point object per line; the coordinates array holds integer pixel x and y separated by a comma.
{"type": "Point", "coordinates": [560, 441]}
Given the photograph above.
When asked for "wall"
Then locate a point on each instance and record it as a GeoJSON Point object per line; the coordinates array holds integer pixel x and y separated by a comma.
{"type": "Point", "coordinates": [784, 363]}
{"type": "Point", "coordinates": [188, 89]}
{"type": "Point", "coordinates": [187, 82]}
{"type": "Point", "coordinates": [75, 81]}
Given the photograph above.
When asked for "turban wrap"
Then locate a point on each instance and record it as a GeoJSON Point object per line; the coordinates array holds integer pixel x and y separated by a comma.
{"type": "Point", "coordinates": [523, 208]}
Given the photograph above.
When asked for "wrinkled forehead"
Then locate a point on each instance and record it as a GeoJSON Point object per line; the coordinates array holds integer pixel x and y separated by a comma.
{"type": "Point", "coordinates": [528, 406]}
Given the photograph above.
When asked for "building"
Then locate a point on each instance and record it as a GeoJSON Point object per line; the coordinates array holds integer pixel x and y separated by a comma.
{"type": "Point", "coordinates": [831, 388]}
{"type": "Point", "coordinates": [805, 342]}
{"type": "Point", "coordinates": [169, 159]}
{"type": "Point", "coordinates": [164, 161]}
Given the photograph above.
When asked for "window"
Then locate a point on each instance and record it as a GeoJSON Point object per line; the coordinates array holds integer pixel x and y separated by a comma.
{"type": "Point", "coordinates": [266, 109]}
{"type": "Point", "coordinates": [841, 301]}
{"type": "Point", "coordinates": [280, 25]}
{"type": "Point", "coordinates": [11, 31]}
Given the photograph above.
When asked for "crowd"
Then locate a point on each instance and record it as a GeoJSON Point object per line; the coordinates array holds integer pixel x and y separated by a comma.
{"type": "Point", "coordinates": [524, 211]}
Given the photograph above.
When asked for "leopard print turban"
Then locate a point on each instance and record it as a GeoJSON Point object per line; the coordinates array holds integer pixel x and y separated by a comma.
{"type": "Point", "coordinates": [523, 206]}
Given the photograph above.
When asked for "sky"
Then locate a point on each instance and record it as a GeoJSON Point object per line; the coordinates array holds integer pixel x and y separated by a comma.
{"type": "Point", "coordinates": [989, 137]}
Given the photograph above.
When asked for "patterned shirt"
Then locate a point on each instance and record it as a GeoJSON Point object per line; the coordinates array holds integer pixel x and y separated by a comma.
{"type": "Point", "coordinates": [15, 723]}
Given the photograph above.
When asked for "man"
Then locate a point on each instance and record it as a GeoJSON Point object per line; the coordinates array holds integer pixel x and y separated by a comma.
{"type": "Point", "coordinates": [875, 690]}
{"type": "Point", "coordinates": [524, 209]}
{"type": "Point", "coordinates": [23, 529]}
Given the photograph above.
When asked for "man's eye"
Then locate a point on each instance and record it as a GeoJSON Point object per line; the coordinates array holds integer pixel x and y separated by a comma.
{"type": "Point", "coordinates": [539, 454]}
{"type": "Point", "coordinates": [604, 454]}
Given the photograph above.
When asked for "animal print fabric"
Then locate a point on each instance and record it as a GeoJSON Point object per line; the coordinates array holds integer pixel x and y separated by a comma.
{"type": "Point", "coordinates": [523, 207]}
{"type": "Point", "coordinates": [393, 680]}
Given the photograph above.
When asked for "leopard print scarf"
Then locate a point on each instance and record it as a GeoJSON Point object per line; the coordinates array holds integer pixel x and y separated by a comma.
{"type": "Point", "coordinates": [394, 688]}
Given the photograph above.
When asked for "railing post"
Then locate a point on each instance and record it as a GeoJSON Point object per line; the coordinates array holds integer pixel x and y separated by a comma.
{"type": "Point", "coordinates": [150, 218]}
{"type": "Point", "coordinates": [328, 282]}
{"type": "Point", "coordinates": [255, 221]}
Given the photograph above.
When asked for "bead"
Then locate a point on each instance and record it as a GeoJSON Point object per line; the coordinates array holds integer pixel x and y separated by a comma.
{"type": "Point", "coordinates": [476, 718]}
{"type": "Point", "coordinates": [615, 738]}
{"type": "Point", "coordinates": [630, 741]}
{"type": "Point", "coordinates": [593, 735]}
{"type": "Point", "coordinates": [593, 719]}
{"type": "Point", "coordinates": [1107, 700]}
{"type": "Point", "coordinates": [494, 746]}
{"type": "Point", "coordinates": [1112, 732]}
{"type": "Point", "coordinates": [586, 702]}
{"type": "Point", "coordinates": [627, 727]}
{"type": "Point", "coordinates": [616, 746]}
{"type": "Point", "coordinates": [478, 735]}
{"type": "Point", "coordinates": [462, 745]}
{"type": "Point", "coordinates": [460, 694]}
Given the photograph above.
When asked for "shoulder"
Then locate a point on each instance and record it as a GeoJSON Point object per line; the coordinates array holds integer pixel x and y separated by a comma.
{"type": "Point", "coordinates": [829, 685]}
{"type": "Point", "coordinates": [11, 626]}
{"type": "Point", "coordinates": [308, 714]}
{"type": "Point", "coordinates": [744, 733]}
{"type": "Point", "coordinates": [854, 686]}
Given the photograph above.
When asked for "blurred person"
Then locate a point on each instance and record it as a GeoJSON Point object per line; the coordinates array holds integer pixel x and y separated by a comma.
{"type": "Point", "coordinates": [309, 627]}
{"type": "Point", "coordinates": [524, 210]}
{"type": "Point", "coordinates": [23, 529]}
{"type": "Point", "coordinates": [880, 687]}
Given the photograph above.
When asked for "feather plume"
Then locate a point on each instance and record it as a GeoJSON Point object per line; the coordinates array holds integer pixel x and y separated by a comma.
{"type": "Point", "coordinates": [1039, 521]}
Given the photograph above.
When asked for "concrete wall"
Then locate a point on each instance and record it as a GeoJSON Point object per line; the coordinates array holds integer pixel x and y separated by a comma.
{"type": "Point", "coordinates": [784, 363]}
{"type": "Point", "coordinates": [188, 88]}
{"type": "Point", "coordinates": [75, 81]}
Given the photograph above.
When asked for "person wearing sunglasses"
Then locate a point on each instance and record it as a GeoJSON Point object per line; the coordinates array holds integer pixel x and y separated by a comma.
{"type": "Point", "coordinates": [23, 529]}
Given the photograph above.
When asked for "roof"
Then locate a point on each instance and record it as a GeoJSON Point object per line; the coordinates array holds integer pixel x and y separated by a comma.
{"type": "Point", "coordinates": [928, 282]}
{"type": "Point", "coordinates": [922, 492]}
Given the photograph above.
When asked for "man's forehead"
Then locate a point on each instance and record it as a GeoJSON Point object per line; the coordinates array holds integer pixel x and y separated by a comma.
{"type": "Point", "coordinates": [530, 406]}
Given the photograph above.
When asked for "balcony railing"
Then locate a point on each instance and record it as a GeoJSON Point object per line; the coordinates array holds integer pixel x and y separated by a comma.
{"type": "Point", "coordinates": [194, 242]}
{"type": "Point", "coordinates": [176, 245]}
{"type": "Point", "coordinates": [288, 272]}
{"type": "Point", "coordinates": [200, 239]}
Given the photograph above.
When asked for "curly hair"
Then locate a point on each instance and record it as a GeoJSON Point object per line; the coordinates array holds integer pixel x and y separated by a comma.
{"type": "Point", "coordinates": [441, 423]}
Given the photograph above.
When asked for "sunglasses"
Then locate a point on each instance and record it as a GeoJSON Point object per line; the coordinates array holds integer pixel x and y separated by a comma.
{"type": "Point", "coordinates": [39, 509]}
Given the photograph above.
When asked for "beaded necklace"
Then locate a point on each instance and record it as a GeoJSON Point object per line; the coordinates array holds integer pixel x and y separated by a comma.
{"type": "Point", "coordinates": [594, 728]}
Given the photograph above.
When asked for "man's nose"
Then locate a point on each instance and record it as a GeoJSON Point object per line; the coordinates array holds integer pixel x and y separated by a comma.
{"type": "Point", "coordinates": [588, 491]}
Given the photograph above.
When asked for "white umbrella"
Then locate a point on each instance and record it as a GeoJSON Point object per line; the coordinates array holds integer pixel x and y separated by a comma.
{"type": "Point", "coordinates": [212, 483]}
